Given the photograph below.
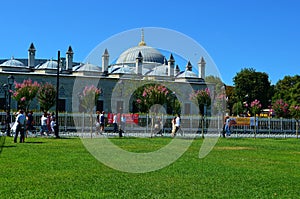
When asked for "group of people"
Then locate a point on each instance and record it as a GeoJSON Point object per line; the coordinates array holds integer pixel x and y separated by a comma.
{"type": "Point", "coordinates": [20, 126]}
{"type": "Point", "coordinates": [176, 122]}
{"type": "Point", "coordinates": [100, 123]}
{"type": "Point", "coordinates": [100, 120]}
{"type": "Point", "coordinates": [175, 125]}
{"type": "Point", "coordinates": [48, 123]}
{"type": "Point", "coordinates": [228, 122]}
{"type": "Point", "coordinates": [24, 124]}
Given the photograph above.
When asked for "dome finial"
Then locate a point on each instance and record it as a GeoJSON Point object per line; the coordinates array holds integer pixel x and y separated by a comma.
{"type": "Point", "coordinates": [142, 43]}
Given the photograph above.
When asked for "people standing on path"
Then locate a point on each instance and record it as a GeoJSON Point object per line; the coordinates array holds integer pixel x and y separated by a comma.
{"type": "Point", "coordinates": [123, 123]}
{"type": "Point", "coordinates": [53, 124]}
{"type": "Point", "coordinates": [115, 124]}
{"type": "Point", "coordinates": [177, 123]}
{"type": "Point", "coordinates": [97, 122]}
{"type": "Point", "coordinates": [44, 128]}
{"type": "Point", "coordinates": [29, 123]}
{"type": "Point", "coordinates": [224, 127]}
{"type": "Point", "coordinates": [173, 127]}
{"type": "Point", "coordinates": [102, 122]}
{"type": "Point", "coordinates": [21, 122]}
{"type": "Point", "coordinates": [48, 122]}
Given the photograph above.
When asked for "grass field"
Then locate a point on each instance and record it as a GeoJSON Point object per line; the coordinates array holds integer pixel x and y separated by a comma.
{"type": "Point", "coordinates": [235, 168]}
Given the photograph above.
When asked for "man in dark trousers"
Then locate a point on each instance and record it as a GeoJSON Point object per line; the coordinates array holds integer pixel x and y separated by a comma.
{"type": "Point", "coordinates": [21, 118]}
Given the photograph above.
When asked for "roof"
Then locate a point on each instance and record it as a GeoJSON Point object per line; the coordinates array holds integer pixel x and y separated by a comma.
{"type": "Point", "coordinates": [149, 55]}
{"type": "Point", "coordinates": [12, 62]}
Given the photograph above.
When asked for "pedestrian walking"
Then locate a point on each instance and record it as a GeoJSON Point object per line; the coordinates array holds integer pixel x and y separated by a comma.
{"type": "Point", "coordinates": [21, 122]}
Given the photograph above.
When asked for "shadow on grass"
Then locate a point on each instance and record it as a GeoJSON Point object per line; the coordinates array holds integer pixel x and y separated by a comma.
{"type": "Point", "coordinates": [8, 146]}
{"type": "Point", "coordinates": [34, 142]}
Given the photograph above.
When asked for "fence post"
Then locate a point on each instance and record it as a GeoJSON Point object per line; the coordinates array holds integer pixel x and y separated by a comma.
{"type": "Point", "coordinates": [66, 121]}
{"type": "Point", "coordinates": [255, 126]}
{"type": "Point", "coordinates": [147, 122]}
{"type": "Point", "coordinates": [269, 126]}
{"type": "Point", "coordinates": [297, 127]}
{"type": "Point", "coordinates": [281, 126]}
{"type": "Point", "coordinates": [83, 122]}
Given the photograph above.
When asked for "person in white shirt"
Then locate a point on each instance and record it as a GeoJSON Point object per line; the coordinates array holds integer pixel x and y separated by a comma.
{"type": "Point", "coordinates": [44, 124]}
{"type": "Point", "coordinates": [102, 121]}
{"type": "Point", "coordinates": [21, 119]}
{"type": "Point", "coordinates": [115, 123]}
{"type": "Point", "coordinates": [177, 123]}
{"type": "Point", "coordinates": [53, 124]}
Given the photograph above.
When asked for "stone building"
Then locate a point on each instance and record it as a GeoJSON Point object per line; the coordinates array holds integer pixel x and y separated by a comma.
{"type": "Point", "coordinates": [139, 63]}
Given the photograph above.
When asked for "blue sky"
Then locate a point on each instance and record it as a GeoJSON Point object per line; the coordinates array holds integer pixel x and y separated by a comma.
{"type": "Point", "coordinates": [259, 34]}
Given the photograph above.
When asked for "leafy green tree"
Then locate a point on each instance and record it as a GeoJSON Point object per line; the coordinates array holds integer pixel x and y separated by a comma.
{"type": "Point", "coordinates": [231, 99]}
{"type": "Point", "coordinates": [219, 103]}
{"type": "Point", "coordinates": [237, 108]}
{"type": "Point", "coordinates": [251, 85]}
{"type": "Point", "coordinates": [216, 81]}
{"type": "Point", "coordinates": [295, 113]}
{"type": "Point", "coordinates": [25, 92]}
{"type": "Point", "coordinates": [287, 89]}
{"type": "Point", "coordinates": [46, 96]}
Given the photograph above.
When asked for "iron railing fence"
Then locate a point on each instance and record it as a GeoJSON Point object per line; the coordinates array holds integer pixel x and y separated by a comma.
{"type": "Point", "coordinates": [80, 123]}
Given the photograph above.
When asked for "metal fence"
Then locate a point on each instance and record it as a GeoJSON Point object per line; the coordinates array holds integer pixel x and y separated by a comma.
{"type": "Point", "coordinates": [78, 124]}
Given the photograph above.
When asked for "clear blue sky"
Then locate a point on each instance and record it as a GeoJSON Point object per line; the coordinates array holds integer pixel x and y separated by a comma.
{"type": "Point", "coordinates": [259, 34]}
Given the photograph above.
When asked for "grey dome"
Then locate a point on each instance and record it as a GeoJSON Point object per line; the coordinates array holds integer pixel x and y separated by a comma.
{"type": "Point", "coordinates": [48, 65]}
{"type": "Point", "coordinates": [89, 67]}
{"type": "Point", "coordinates": [149, 55]}
{"type": "Point", "coordinates": [12, 62]}
{"type": "Point", "coordinates": [187, 74]}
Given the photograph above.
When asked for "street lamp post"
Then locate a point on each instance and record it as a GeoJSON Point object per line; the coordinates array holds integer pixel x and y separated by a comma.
{"type": "Point", "coordinates": [5, 88]}
{"type": "Point", "coordinates": [10, 81]}
{"type": "Point", "coordinates": [174, 97]}
{"type": "Point", "coordinates": [57, 97]}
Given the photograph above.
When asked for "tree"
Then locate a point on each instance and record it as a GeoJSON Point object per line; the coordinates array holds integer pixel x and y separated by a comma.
{"type": "Point", "coordinates": [255, 107]}
{"type": "Point", "coordinates": [237, 108]}
{"type": "Point", "coordinates": [219, 104]}
{"type": "Point", "coordinates": [46, 96]}
{"type": "Point", "coordinates": [287, 89]}
{"type": "Point", "coordinates": [88, 98]}
{"type": "Point", "coordinates": [216, 81]}
{"type": "Point", "coordinates": [281, 108]}
{"type": "Point", "coordinates": [150, 94]}
{"type": "Point", "coordinates": [295, 113]}
{"type": "Point", "coordinates": [25, 92]}
{"type": "Point", "coordinates": [231, 99]}
{"type": "Point", "coordinates": [251, 85]}
{"type": "Point", "coordinates": [202, 99]}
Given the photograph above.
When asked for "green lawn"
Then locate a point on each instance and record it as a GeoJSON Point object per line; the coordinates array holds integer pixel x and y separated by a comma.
{"type": "Point", "coordinates": [235, 168]}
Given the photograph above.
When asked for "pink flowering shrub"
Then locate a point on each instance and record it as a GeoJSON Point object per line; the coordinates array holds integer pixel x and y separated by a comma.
{"type": "Point", "coordinates": [281, 108]}
{"type": "Point", "coordinates": [202, 98]}
{"type": "Point", "coordinates": [88, 97]}
{"type": "Point", "coordinates": [150, 94]}
{"type": "Point", "coordinates": [295, 111]}
{"type": "Point", "coordinates": [25, 92]}
{"type": "Point", "coordinates": [255, 107]}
